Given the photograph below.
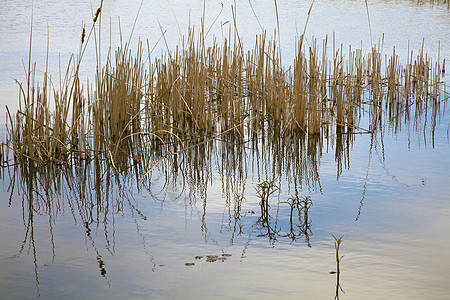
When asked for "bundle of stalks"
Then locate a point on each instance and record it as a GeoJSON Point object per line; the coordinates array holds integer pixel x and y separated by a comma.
{"type": "Point", "coordinates": [121, 99]}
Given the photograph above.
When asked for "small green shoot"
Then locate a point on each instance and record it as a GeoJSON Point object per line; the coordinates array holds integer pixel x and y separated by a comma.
{"type": "Point", "coordinates": [337, 245]}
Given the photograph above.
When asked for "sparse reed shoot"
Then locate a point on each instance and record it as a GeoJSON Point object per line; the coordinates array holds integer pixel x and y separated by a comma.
{"type": "Point", "coordinates": [337, 245]}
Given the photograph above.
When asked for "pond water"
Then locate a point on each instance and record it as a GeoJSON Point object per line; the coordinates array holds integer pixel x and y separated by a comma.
{"type": "Point", "coordinates": [199, 232]}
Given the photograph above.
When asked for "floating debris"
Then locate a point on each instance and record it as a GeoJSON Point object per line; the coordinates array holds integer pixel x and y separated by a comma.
{"type": "Point", "coordinates": [211, 258]}
{"type": "Point", "coordinates": [214, 258]}
{"type": "Point", "coordinates": [189, 264]}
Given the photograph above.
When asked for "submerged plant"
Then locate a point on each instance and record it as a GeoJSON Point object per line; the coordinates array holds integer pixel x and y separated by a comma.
{"type": "Point", "coordinates": [264, 190]}
{"type": "Point", "coordinates": [302, 205]}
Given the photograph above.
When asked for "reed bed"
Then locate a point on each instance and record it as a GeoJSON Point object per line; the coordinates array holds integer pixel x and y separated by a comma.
{"type": "Point", "coordinates": [141, 109]}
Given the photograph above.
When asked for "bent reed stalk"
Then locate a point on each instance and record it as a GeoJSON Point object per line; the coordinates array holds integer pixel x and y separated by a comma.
{"type": "Point", "coordinates": [195, 92]}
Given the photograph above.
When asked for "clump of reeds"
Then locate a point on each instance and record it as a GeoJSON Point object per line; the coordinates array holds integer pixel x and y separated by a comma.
{"type": "Point", "coordinates": [134, 113]}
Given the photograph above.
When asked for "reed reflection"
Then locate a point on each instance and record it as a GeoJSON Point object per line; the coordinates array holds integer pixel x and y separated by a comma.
{"type": "Point", "coordinates": [85, 191]}
{"type": "Point", "coordinates": [87, 188]}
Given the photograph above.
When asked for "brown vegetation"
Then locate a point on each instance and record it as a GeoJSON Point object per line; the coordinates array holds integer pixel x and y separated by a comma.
{"type": "Point", "coordinates": [136, 114]}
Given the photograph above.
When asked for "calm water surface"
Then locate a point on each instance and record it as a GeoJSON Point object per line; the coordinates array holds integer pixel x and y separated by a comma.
{"type": "Point", "coordinates": [391, 200]}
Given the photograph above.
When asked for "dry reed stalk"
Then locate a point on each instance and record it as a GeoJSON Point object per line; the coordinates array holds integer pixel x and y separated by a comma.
{"type": "Point", "coordinates": [255, 78]}
{"type": "Point", "coordinates": [276, 81]}
{"type": "Point", "coordinates": [314, 94]}
{"type": "Point", "coordinates": [349, 89]}
{"type": "Point", "coordinates": [337, 87]}
{"type": "Point", "coordinates": [323, 106]}
{"type": "Point", "coordinates": [300, 79]}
